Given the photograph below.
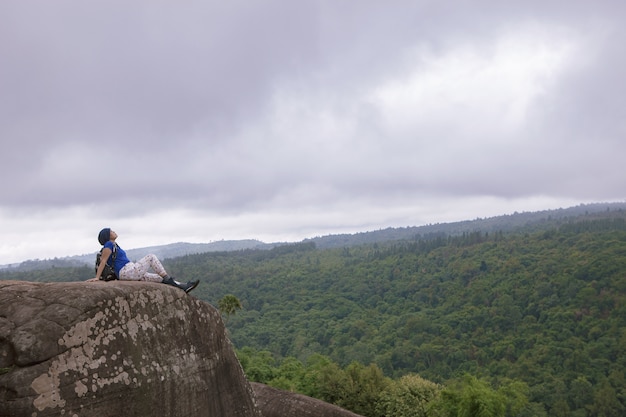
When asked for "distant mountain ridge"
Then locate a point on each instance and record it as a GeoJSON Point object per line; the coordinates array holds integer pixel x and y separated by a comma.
{"type": "Point", "coordinates": [528, 221]}
{"type": "Point", "coordinates": [172, 250]}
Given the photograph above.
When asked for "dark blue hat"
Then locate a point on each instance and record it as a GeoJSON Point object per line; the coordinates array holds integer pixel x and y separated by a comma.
{"type": "Point", "coordinates": [104, 236]}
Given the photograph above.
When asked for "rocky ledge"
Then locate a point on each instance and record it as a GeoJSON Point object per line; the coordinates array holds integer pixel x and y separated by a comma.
{"type": "Point", "coordinates": [115, 349]}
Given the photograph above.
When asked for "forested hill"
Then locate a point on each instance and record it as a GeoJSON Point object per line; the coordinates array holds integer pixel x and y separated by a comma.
{"type": "Point", "coordinates": [547, 308]}
{"type": "Point", "coordinates": [525, 222]}
{"type": "Point", "coordinates": [544, 306]}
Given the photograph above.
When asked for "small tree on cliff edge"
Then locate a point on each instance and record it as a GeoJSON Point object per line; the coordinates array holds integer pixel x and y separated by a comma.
{"type": "Point", "coordinates": [229, 304]}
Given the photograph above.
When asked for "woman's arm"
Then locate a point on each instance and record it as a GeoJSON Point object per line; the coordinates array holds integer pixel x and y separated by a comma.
{"type": "Point", "coordinates": [106, 253]}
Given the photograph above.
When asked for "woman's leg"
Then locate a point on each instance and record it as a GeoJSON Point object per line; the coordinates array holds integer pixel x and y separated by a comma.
{"type": "Point", "coordinates": [138, 271]}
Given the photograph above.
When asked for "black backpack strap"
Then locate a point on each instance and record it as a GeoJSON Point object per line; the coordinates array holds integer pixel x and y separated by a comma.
{"type": "Point", "coordinates": [113, 255]}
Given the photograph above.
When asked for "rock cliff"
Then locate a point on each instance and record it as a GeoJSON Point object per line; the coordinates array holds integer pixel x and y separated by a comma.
{"type": "Point", "coordinates": [115, 349]}
{"type": "Point", "coordinates": [278, 403]}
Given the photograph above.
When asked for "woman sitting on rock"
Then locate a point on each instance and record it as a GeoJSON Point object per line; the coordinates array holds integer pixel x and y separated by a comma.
{"type": "Point", "coordinates": [134, 271]}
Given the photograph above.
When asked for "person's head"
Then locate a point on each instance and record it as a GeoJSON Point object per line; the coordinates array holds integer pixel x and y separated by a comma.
{"type": "Point", "coordinates": [105, 235]}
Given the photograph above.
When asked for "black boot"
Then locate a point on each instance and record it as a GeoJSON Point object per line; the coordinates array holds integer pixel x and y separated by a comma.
{"type": "Point", "coordinates": [190, 285]}
{"type": "Point", "coordinates": [185, 287]}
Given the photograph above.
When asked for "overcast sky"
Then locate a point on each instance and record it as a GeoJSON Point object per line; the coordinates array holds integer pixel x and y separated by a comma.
{"type": "Point", "coordinates": [280, 120]}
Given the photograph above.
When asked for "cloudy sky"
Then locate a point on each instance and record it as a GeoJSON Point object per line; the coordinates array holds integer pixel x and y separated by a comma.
{"type": "Point", "coordinates": [280, 120]}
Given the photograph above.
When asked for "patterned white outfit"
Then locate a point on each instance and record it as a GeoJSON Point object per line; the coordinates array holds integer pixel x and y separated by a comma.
{"type": "Point", "coordinates": [138, 271]}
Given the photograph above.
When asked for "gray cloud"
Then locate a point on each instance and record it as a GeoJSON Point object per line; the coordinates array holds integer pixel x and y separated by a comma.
{"type": "Point", "coordinates": [121, 112]}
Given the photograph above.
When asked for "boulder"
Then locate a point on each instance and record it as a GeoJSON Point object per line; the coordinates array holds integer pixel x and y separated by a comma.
{"type": "Point", "coordinates": [278, 403]}
{"type": "Point", "coordinates": [116, 349]}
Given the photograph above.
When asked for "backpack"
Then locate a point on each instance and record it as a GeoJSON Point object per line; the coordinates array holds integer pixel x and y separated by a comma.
{"type": "Point", "coordinates": [108, 273]}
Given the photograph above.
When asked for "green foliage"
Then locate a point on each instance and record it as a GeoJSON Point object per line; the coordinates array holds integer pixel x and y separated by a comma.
{"type": "Point", "coordinates": [471, 397]}
{"type": "Point", "coordinates": [366, 391]}
{"type": "Point", "coordinates": [259, 366]}
{"type": "Point", "coordinates": [229, 304]}
{"type": "Point", "coordinates": [545, 309]}
{"type": "Point", "coordinates": [357, 388]}
{"type": "Point", "coordinates": [410, 396]}
{"type": "Point", "coordinates": [605, 402]}
{"type": "Point", "coordinates": [53, 274]}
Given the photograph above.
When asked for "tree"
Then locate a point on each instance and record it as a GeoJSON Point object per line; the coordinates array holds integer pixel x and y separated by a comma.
{"type": "Point", "coordinates": [259, 366]}
{"type": "Point", "coordinates": [357, 388]}
{"type": "Point", "coordinates": [471, 397]}
{"type": "Point", "coordinates": [290, 375]}
{"type": "Point", "coordinates": [605, 402]}
{"type": "Point", "coordinates": [229, 304]}
{"type": "Point", "coordinates": [581, 392]}
{"type": "Point", "coordinates": [410, 396]}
